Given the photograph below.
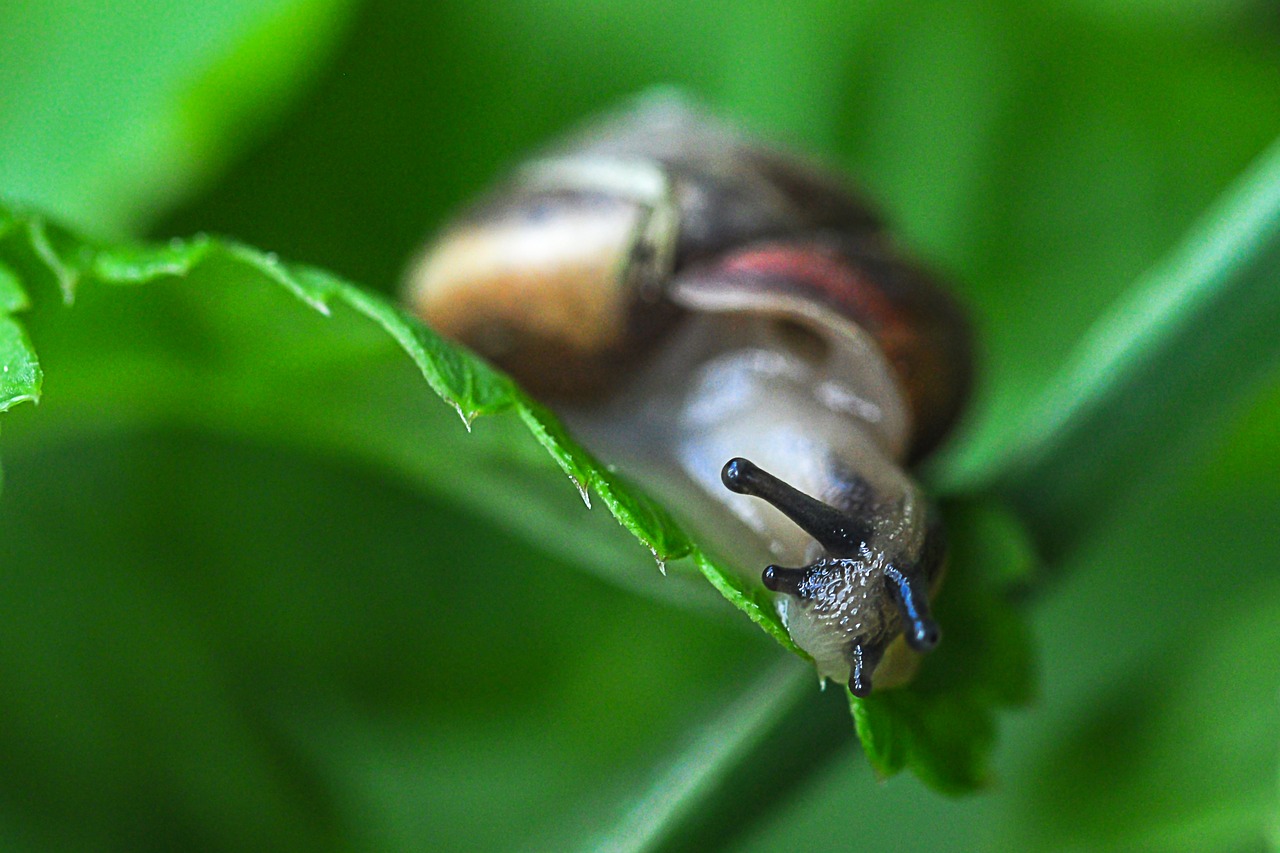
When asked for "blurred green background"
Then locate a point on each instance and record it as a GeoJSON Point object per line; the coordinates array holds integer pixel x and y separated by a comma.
{"type": "Point", "coordinates": [206, 642]}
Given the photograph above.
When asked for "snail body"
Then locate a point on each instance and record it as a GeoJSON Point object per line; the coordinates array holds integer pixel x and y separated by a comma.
{"type": "Point", "coordinates": [690, 300]}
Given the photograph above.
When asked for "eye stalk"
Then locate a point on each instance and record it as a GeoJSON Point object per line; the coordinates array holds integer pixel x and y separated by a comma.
{"type": "Point", "coordinates": [840, 534]}
{"type": "Point", "coordinates": [849, 562]}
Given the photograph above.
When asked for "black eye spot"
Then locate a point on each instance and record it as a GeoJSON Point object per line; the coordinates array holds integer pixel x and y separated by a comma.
{"type": "Point", "coordinates": [801, 341]}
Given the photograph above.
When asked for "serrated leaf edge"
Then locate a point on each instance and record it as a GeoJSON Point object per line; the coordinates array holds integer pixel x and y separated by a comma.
{"type": "Point", "coordinates": [483, 391]}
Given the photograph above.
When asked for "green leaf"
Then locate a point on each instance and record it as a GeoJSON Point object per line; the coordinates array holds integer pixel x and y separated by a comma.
{"type": "Point", "coordinates": [309, 645]}
{"type": "Point", "coordinates": [1217, 798]}
{"type": "Point", "coordinates": [19, 370]}
{"type": "Point", "coordinates": [1181, 349]}
{"type": "Point", "coordinates": [708, 792]}
{"type": "Point", "coordinates": [197, 331]}
{"type": "Point", "coordinates": [1274, 836]}
{"type": "Point", "coordinates": [109, 111]}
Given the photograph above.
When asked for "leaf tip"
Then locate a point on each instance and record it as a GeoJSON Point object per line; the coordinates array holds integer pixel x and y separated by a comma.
{"type": "Point", "coordinates": [468, 417]}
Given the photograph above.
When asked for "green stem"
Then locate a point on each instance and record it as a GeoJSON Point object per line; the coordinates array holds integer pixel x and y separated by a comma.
{"type": "Point", "coordinates": [1160, 370]}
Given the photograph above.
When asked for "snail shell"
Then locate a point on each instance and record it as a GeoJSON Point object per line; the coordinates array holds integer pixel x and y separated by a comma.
{"type": "Point", "coordinates": [689, 299]}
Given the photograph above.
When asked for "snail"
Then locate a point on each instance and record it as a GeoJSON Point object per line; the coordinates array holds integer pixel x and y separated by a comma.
{"type": "Point", "coordinates": [731, 326]}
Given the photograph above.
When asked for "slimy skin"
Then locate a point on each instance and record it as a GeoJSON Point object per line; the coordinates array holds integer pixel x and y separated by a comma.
{"type": "Point", "coordinates": [870, 584]}
{"type": "Point", "coordinates": [827, 423]}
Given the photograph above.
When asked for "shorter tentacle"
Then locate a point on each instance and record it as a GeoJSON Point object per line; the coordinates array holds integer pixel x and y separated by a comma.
{"type": "Point", "coordinates": [782, 579]}
{"type": "Point", "coordinates": [864, 657]}
{"type": "Point", "coordinates": [839, 533]}
{"type": "Point", "coordinates": [921, 631]}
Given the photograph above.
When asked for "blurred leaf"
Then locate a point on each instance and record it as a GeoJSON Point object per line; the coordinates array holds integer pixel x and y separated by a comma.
{"type": "Point", "coordinates": [1045, 161]}
{"type": "Point", "coordinates": [1212, 700]}
{"type": "Point", "coordinates": [1211, 15]}
{"type": "Point", "coordinates": [1180, 350]}
{"type": "Point", "coordinates": [713, 788]}
{"type": "Point", "coordinates": [1274, 838]}
{"type": "Point", "coordinates": [211, 644]}
{"type": "Point", "coordinates": [108, 110]}
{"type": "Point", "coordinates": [1169, 695]}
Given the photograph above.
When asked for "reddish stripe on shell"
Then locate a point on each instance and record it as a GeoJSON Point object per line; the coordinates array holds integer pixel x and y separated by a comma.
{"type": "Point", "coordinates": [822, 274]}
